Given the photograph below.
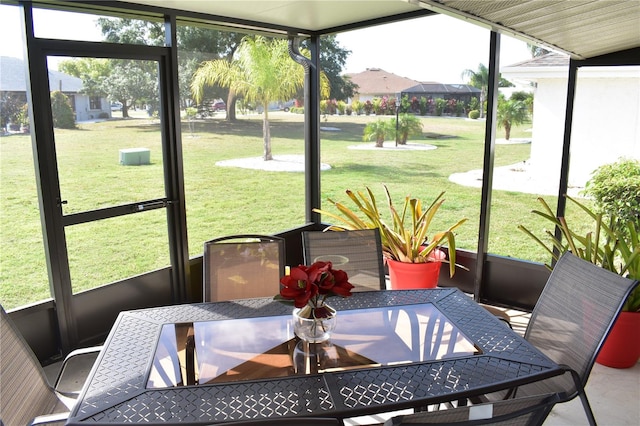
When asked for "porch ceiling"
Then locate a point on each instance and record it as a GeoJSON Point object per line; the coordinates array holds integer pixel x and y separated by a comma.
{"type": "Point", "coordinates": [581, 28]}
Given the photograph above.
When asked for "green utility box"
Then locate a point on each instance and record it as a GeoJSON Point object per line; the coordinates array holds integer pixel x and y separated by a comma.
{"type": "Point", "coordinates": [135, 156]}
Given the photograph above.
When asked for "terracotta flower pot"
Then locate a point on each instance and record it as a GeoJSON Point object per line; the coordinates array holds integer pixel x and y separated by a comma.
{"type": "Point", "coordinates": [621, 349]}
{"type": "Point", "coordinates": [406, 276]}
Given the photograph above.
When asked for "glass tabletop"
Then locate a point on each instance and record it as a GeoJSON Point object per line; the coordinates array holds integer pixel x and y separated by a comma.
{"type": "Point", "coordinates": [198, 353]}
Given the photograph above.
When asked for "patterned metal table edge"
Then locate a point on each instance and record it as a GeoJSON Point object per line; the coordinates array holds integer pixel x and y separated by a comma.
{"type": "Point", "coordinates": [118, 385]}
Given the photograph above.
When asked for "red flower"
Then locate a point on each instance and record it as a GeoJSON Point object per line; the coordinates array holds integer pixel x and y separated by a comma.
{"type": "Point", "coordinates": [305, 284]}
{"type": "Point", "coordinates": [298, 287]}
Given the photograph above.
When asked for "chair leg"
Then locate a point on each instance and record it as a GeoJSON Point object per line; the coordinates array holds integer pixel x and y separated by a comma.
{"type": "Point", "coordinates": [583, 398]}
{"type": "Point", "coordinates": [587, 408]}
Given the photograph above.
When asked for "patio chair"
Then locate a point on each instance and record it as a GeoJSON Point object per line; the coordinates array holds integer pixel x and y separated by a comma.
{"type": "Point", "coordinates": [242, 266]}
{"type": "Point", "coordinates": [570, 322]}
{"type": "Point", "coordinates": [27, 397]}
{"type": "Point", "coordinates": [527, 411]}
{"type": "Point", "coordinates": [357, 252]}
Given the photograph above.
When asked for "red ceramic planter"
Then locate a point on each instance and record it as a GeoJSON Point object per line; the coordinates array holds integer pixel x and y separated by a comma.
{"type": "Point", "coordinates": [408, 276]}
{"type": "Point", "coordinates": [622, 347]}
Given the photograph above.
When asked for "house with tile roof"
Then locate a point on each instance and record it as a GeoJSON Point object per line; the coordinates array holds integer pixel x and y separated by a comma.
{"type": "Point", "coordinates": [607, 102]}
{"type": "Point", "coordinates": [13, 81]}
{"type": "Point", "coordinates": [377, 83]}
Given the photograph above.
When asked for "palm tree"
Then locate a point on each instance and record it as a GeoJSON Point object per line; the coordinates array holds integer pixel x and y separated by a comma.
{"type": "Point", "coordinates": [510, 113]}
{"type": "Point", "coordinates": [408, 125]}
{"type": "Point", "coordinates": [479, 79]}
{"type": "Point", "coordinates": [378, 130]}
{"type": "Point", "coordinates": [261, 71]}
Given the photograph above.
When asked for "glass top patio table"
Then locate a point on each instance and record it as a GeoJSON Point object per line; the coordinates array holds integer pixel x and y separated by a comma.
{"type": "Point", "coordinates": [199, 353]}
{"type": "Point", "coordinates": [217, 362]}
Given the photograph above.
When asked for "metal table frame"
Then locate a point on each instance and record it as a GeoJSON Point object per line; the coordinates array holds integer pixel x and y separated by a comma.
{"type": "Point", "coordinates": [115, 390]}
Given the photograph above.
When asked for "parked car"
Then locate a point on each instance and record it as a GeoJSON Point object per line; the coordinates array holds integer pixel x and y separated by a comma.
{"type": "Point", "coordinates": [278, 106]}
{"type": "Point", "coordinates": [116, 106]}
{"type": "Point", "coordinates": [219, 106]}
{"type": "Point", "coordinates": [286, 106]}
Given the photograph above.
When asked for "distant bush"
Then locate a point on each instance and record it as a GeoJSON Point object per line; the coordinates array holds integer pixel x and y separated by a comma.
{"type": "Point", "coordinates": [23, 115]}
{"type": "Point", "coordinates": [357, 107]}
{"type": "Point", "coordinates": [441, 104]}
{"type": "Point", "coordinates": [474, 104]}
{"type": "Point", "coordinates": [12, 104]}
{"type": "Point", "coordinates": [615, 188]}
{"type": "Point", "coordinates": [297, 110]}
{"type": "Point", "coordinates": [368, 107]}
{"type": "Point", "coordinates": [474, 114]}
{"type": "Point", "coordinates": [62, 111]}
{"type": "Point", "coordinates": [424, 105]}
{"type": "Point", "coordinates": [191, 113]}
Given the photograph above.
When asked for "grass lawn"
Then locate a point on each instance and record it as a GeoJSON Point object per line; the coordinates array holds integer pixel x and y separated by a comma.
{"type": "Point", "coordinates": [226, 200]}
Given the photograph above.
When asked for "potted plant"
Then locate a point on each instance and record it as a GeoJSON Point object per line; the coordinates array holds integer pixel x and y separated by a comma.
{"type": "Point", "coordinates": [610, 246]}
{"type": "Point", "coordinates": [406, 238]}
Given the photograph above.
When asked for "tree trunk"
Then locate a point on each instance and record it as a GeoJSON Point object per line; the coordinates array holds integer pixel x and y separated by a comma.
{"type": "Point", "coordinates": [266, 133]}
{"type": "Point", "coordinates": [231, 106]}
{"type": "Point", "coordinates": [507, 130]}
{"type": "Point", "coordinates": [379, 142]}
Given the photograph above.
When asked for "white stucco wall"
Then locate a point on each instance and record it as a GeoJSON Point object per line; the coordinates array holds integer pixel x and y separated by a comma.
{"type": "Point", "coordinates": [549, 102]}
{"type": "Point", "coordinates": [606, 120]}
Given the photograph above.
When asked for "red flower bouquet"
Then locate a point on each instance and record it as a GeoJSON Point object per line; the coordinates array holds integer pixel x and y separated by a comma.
{"type": "Point", "coordinates": [311, 285]}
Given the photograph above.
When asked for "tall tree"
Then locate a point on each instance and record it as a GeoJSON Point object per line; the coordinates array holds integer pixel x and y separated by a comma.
{"type": "Point", "coordinates": [125, 81]}
{"type": "Point", "coordinates": [134, 82]}
{"type": "Point", "coordinates": [92, 71]}
{"type": "Point", "coordinates": [332, 60]}
{"type": "Point", "coordinates": [479, 79]}
{"type": "Point", "coordinates": [261, 71]}
{"type": "Point", "coordinates": [196, 44]}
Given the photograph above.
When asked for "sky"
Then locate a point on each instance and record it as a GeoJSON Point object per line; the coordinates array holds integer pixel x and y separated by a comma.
{"type": "Point", "coordinates": [433, 48]}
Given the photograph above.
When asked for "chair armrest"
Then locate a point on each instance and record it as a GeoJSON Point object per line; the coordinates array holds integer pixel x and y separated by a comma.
{"type": "Point", "coordinates": [80, 362]}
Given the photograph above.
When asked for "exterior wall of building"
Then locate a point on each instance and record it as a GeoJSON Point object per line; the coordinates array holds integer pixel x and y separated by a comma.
{"type": "Point", "coordinates": [606, 120]}
{"type": "Point", "coordinates": [85, 113]}
{"type": "Point", "coordinates": [549, 103]}
{"type": "Point", "coordinates": [606, 123]}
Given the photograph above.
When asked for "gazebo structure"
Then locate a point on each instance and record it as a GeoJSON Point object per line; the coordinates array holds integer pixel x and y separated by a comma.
{"type": "Point", "coordinates": [73, 318]}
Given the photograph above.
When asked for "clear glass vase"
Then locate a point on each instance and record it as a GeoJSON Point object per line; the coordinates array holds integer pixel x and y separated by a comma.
{"type": "Point", "coordinates": [314, 324]}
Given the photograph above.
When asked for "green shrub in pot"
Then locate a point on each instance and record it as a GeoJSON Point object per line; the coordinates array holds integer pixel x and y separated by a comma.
{"type": "Point", "coordinates": [615, 188]}
{"type": "Point", "coordinates": [607, 244]}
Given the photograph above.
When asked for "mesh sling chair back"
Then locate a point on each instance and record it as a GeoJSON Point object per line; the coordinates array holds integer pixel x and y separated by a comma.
{"type": "Point", "coordinates": [27, 397]}
{"type": "Point", "coordinates": [571, 319]}
{"type": "Point", "coordinates": [526, 411]}
{"type": "Point", "coordinates": [242, 266]}
{"type": "Point", "coordinates": [357, 252]}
